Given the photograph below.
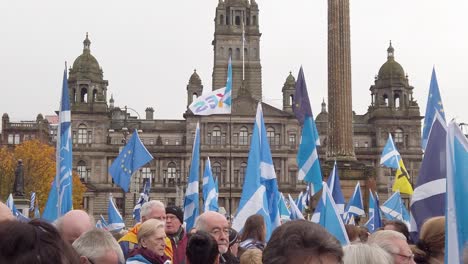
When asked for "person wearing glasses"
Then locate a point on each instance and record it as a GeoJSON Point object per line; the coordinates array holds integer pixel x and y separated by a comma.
{"type": "Point", "coordinates": [217, 226]}
{"type": "Point", "coordinates": [151, 244]}
{"type": "Point", "coordinates": [98, 246]}
{"type": "Point", "coordinates": [395, 244]}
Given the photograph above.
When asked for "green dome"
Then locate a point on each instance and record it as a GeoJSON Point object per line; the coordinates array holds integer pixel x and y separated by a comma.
{"type": "Point", "coordinates": [391, 68]}
{"type": "Point", "coordinates": [86, 66]}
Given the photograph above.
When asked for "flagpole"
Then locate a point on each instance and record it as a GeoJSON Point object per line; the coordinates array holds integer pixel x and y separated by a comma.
{"type": "Point", "coordinates": [230, 165]}
{"type": "Point", "coordinates": [243, 51]}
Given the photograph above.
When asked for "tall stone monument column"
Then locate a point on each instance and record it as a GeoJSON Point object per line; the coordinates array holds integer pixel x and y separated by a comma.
{"type": "Point", "coordinates": [340, 120]}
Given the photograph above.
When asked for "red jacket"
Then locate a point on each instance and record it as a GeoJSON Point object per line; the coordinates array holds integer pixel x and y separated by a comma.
{"type": "Point", "coordinates": [179, 245]}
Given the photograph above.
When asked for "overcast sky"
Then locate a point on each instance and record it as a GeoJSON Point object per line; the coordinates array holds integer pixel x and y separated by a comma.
{"type": "Point", "coordinates": [148, 49]}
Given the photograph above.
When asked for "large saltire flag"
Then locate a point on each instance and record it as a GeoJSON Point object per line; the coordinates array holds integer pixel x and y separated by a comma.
{"type": "Point", "coordinates": [429, 196]}
{"type": "Point", "coordinates": [433, 106]}
{"type": "Point", "coordinates": [210, 193]}
{"type": "Point", "coordinates": [355, 206]}
{"type": "Point", "coordinates": [191, 203]}
{"type": "Point", "coordinates": [115, 218]}
{"type": "Point", "coordinates": [260, 176]}
{"type": "Point", "coordinates": [391, 158]}
{"type": "Point", "coordinates": [395, 209]}
{"type": "Point", "coordinates": [215, 102]}
{"type": "Point", "coordinates": [60, 200]}
{"type": "Point", "coordinates": [456, 215]}
{"type": "Point", "coordinates": [375, 219]}
{"type": "Point", "coordinates": [307, 155]}
{"type": "Point", "coordinates": [330, 218]}
{"type": "Point", "coordinates": [133, 156]}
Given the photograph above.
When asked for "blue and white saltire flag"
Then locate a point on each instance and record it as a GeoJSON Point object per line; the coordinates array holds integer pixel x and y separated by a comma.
{"type": "Point", "coordinates": [16, 213]}
{"type": "Point", "coordinates": [394, 209]}
{"type": "Point", "coordinates": [210, 194]}
{"type": "Point", "coordinates": [285, 214]}
{"type": "Point", "coordinates": [295, 212]}
{"type": "Point", "coordinates": [355, 206]}
{"type": "Point", "coordinates": [260, 177]}
{"type": "Point", "coordinates": [375, 219]}
{"type": "Point", "coordinates": [330, 218]}
{"type": "Point", "coordinates": [60, 200]}
{"type": "Point", "coordinates": [102, 223]}
{"type": "Point", "coordinates": [133, 156]}
{"type": "Point", "coordinates": [32, 203]}
{"type": "Point", "coordinates": [433, 106]}
{"type": "Point", "coordinates": [334, 185]}
{"type": "Point", "coordinates": [144, 197]}
{"type": "Point", "coordinates": [307, 157]}
{"type": "Point", "coordinates": [429, 196]}
{"type": "Point", "coordinates": [390, 156]}
{"type": "Point", "coordinates": [298, 201]}
{"type": "Point", "coordinates": [116, 221]}
{"type": "Point", "coordinates": [456, 225]}
{"type": "Point", "coordinates": [191, 203]}
{"type": "Point", "coordinates": [215, 102]}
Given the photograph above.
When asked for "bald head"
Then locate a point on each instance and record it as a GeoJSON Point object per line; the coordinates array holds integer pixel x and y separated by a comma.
{"type": "Point", "coordinates": [73, 224]}
{"type": "Point", "coordinates": [217, 225]}
{"type": "Point", "coordinates": [5, 213]}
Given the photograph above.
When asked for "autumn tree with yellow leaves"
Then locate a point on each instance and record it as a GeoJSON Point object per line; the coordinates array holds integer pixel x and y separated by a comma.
{"type": "Point", "coordinates": [39, 172]}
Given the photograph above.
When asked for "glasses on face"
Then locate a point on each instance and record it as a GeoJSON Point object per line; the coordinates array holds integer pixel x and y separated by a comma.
{"type": "Point", "coordinates": [218, 232]}
{"type": "Point", "coordinates": [160, 218]}
{"type": "Point", "coordinates": [408, 258]}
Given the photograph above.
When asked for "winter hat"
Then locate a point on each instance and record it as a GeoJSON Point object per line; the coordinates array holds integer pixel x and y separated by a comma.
{"type": "Point", "coordinates": [175, 211]}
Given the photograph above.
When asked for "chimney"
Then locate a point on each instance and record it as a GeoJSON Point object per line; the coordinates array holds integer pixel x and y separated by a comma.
{"type": "Point", "coordinates": [149, 113]}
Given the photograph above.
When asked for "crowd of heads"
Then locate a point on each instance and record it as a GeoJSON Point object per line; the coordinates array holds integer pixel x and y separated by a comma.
{"type": "Point", "coordinates": [160, 237]}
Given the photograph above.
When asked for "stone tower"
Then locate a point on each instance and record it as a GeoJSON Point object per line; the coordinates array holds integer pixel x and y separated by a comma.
{"type": "Point", "coordinates": [340, 121]}
{"type": "Point", "coordinates": [232, 18]}
{"type": "Point", "coordinates": [194, 87]}
{"type": "Point", "coordinates": [289, 88]}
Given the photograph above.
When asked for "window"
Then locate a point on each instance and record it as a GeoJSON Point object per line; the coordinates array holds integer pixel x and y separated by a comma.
{"type": "Point", "coordinates": [238, 21]}
{"type": "Point", "coordinates": [166, 142]}
{"type": "Point", "coordinates": [177, 142]}
{"type": "Point", "coordinates": [11, 138]}
{"type": "Point", "coordinates": [17, 139]}
{"type": "Point", "coordinates": [271, 136]}
{"type": "Point", "coordinates": [82, 170]}
{"type": "Point", "coordinates": [242, 170]}
{"type": "Point", "coordinates": [146, 174]}
{"type": "Point", "coordinates": [119, 202]}
{"type": "Point", "coordinates": [171, 170]}
{"type": "Point", "coordinates": [216, 136]}
{"type": "Point", "coordinates": [399, 136]}
{"type": "Point", "coordinates": [151, 141]}
{"type": "Point", "coordinates": [221, 19]}
{"type": "Point", "coordinates": [82, 135]}
{"type": "Point", "coordinates": [216, 170]}
{"type": "Point", "coordinates": [237, 54]}
{"type": "Point", "coordinates": [84, 94]}
{"type": "Point", "coordinates": [243, 136]}
{"type": "Point", "coordinates": [292, 139]}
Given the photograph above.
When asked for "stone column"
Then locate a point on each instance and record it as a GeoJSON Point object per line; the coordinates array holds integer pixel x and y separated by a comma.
{"type": "Point", "coordinates": [340, 120]}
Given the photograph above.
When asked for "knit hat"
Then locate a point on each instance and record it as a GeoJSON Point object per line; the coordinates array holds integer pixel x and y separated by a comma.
{"type": "Point", "coordinates": [233, 236]}
{"type": "Point", "coordinates": [176, 211]}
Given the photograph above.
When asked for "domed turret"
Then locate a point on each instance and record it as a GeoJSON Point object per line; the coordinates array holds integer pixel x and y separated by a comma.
{"type": "Point", "coordinates": [289, 88]}
{"type": "Point", "coordinates": [194, 87]}
{"type": "Point", "coordinates": [195, 79]}
{"type": "Point", "coordinates": [86, 66]}
{"type": "Point", "coordinates": [391, 68]}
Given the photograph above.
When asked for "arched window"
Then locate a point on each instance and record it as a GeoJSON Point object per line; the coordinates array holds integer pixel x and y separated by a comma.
{"type": "Point", "coordinates": [254, 20]}
{"type": "Point", "coordinates": [238, 21]}
{"type": "Point", "coordinates": [242, 170]}
{"type": "Point", "coordinates": [243, 136]}
{"type": "Point", "coordinates": [399, 136]}
{"type": "Point", "coordinates": [221, 19]}
{"type": "Point", "coordinates": [84, 94]}
{"type": "Point", "coordinates": [246, 55]}
{"type": "Point", "coordinates": [237, 54]}
{"type": "Point", "coordinates": [385, 100]}
{"type": "Point", "coordinates": [216, 170]}
{"type": "Point", "coordinates": [291, 99]}
{"type": "Point", "coordinates": [230, 52]}
{"type": "Point", "coordinates": [194, 96]}
{"type": "Point", "coordinates": [82, 134]}
{"type": "Point", "coordinates": [271, 135]}
{"type": "Point", "coordinates": [74, 95]}
{"type": "Point", "coordinates": [216, 136]}
{"type": "Point", "coordinates": [82, 171]}
{"type": "Point", "coordinates": [94, 95]}
{"type": "Point", "coordinates": [397, 102]}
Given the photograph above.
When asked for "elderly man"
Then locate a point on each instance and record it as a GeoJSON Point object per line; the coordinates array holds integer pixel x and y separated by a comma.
{"type": "Point", "coordinates": [395, 244]}
{"type": "Point", "coordinates": [150, 210]}
{"type": "Point", "coordinates": [217, 225]}
{"type": "Point", "coordinates": [176, 233]}
{"type": "Point", "coordinates": [74, 223]}
{"type": "Point", "coordinates": [98, 246]}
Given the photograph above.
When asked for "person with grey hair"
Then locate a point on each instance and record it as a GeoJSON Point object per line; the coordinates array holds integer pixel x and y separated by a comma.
{"type": "Point", "coordinates": [151, 244]}
{"type": "Point", "coordinates": [395, 244]}
{"type": "Point", "coordinates": [98, 246]}
{"type": "Point", "coordinates": [217, 226]}
{"type": "Point", "coordinates": [74, 223]}
{"type": "Point", "coordinates": [150, 210]}
{"type": "Point", "coordinates": [364, 253]}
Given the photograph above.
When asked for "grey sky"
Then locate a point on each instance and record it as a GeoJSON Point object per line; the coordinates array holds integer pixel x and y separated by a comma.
{"type": "Point", "coordinates": [148, 49]}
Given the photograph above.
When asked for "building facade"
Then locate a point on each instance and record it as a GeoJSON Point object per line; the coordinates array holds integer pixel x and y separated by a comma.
{"type": "Point", "coordinates": [100, 129]}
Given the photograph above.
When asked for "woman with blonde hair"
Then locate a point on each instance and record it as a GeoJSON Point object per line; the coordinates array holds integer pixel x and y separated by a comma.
{"type": "Point", "coordinates": [366, 253]}
{"type": "Point", "coordinates": [251, 256]}
{"type": "Point", "coordinates": [431, 245]}
{"type": "Point", "coordinates": [151, 244]}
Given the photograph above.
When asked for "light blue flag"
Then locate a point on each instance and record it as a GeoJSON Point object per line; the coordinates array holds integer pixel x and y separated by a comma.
{"type": "Point", "coordinates": [16, 213]}
{"type": "Point", "coordinates": [191, 203]}
{"type": "Point", "coordinates": [285, 214]}
{"type": "Point", "coordinates": [456, 225]}
{"type": "Point", "coordinates": [102, 223]}
{"type": "Point", "coordinates": [210, 193]}
{"type": "Point", "coordinates": [307, 156]}
{"type": "Point", "coordinates": [330, 217]}
{"type": "Point", "coordinates": [333, 182]}
{"type": "Point", "coordinates": [394, 209]}
{"type": "Point", "coordinates": [60, 200]}
{"type": "Point", "coordinates": [298, 201]}
{"type": "Point", "coordinates": [115, 218]}
{"type": "Point", "coordinates": [434, 104]}
{"type": "Point", "coordinates": [259, 172]}
{"type": "Point", "coordinates": [390, 156]}
{"type": "Point", "coordinates": [375, 220]}
{"type": "Point", "coordinates": [133, 156]}
{"type": "Point", "coordinates": [355, 206]}
{"type": "Point", "coordinates": [295, 212]}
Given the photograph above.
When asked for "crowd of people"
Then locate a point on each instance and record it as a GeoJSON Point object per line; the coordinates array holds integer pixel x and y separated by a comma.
{"type": "Point", "coordinates": [160, 238]}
